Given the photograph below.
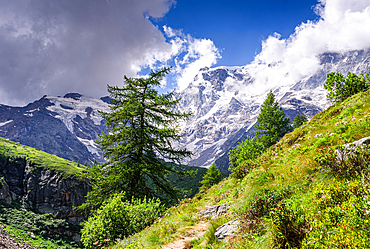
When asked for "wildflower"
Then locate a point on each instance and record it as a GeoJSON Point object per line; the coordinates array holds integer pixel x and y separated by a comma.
{"type": "Point", "coordinates": [345, 122]}
{"type": "Point", "coordinates": [337, 123]}
{"type": "Point", "coordinates": [353, 118]}
{"type": "Point", "coordinates": [360, 120]}
{"type": "Point", "coordinates": [318, 135]}
{"type": "Point", "coordinates": [332, 134]}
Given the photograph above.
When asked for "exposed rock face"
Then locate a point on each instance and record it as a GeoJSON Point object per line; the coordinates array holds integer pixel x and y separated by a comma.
{"type": "Point", "coordinates": [44, 190]}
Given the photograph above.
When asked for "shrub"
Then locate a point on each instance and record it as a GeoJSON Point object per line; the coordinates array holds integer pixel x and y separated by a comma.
{"type": "Point", "coordinates": [341, 87]}
{"type": "Point", "coordinates": [260, 205]}
{"type": "Point", "coordinates": [117, 219]}
{"type": "Point", "coordinates": [299, 120]}
{"type": "Point", "coordinates": [242, 157]}
{"type": "Point", "coordinates": [344, 162]}
{"type": "Point", "coordinates": [289, 226]}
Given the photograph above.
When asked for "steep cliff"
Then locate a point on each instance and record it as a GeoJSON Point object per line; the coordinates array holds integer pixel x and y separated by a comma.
{"type": "Point", "coordinates": [48, 187]}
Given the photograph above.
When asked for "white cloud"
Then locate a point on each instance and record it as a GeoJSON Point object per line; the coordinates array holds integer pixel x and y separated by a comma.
{"type": "Point", "coordinates": [344, 25]}
{"type": "Point", "coordinates": [55, 47]}
{"type": "Point", "coordinates": [191, 55]}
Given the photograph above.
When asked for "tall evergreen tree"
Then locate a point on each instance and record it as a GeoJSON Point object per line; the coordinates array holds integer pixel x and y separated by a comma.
{"type": "Point", "coordinates": [272, 124]}
{"type": "Point", "coordinates": [212, 177]}
{"type": "Point", "coordinates": [143, 126]}
{"type": "Point", "coordinates": [299, 120]}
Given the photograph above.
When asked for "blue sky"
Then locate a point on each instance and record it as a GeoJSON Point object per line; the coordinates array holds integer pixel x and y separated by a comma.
{"type": "Point", "coordinates": [238, 27]}
{"type": "Point", "coordinates": [55, 47]}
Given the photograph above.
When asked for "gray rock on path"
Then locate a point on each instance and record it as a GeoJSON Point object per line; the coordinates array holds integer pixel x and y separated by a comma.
{"type": "Point", "coordinates": [214, 211]}
{"type": "Point", "coordinates": [227, 230]}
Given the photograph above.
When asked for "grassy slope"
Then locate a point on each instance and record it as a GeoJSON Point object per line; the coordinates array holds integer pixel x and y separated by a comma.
{"type": "Point", "coordinates": [289, 198]}
{"type": "Point", "coordinates": [9, 149]}
{"type": "Point", "coordinates": [38, 157]}
{"type": "Point", "coordinates": [20, 222]}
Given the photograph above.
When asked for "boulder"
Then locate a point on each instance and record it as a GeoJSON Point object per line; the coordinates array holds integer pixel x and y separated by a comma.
{"type": "Point", "coordinates": [227, 230]}
{"type": "Point", "coordinates": [214, 211]}
{"type": "Point", "coordinates": [348, 148]}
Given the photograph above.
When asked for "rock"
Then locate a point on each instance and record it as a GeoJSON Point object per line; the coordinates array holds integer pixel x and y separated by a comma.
{"type": "Point", "coordinates": [214, 211]}
{"type": "Point", "coordinates": [348, 149]}
{"type": "Point", "coordinates": [4, 192]}
{"type": "Point", "coordinates": [42, 189]}
{"type": "Point", "coordinates": [227, 230]}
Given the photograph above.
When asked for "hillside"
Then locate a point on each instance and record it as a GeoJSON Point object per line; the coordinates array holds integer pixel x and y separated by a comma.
{"type": "Point", "coordinates": [298, 195]}
{"type": "Point", "coordinates": [38, 192]}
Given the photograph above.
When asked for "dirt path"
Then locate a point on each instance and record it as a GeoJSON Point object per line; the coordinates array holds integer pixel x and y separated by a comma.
{"type": "Point", "coordinates": [194, 232]}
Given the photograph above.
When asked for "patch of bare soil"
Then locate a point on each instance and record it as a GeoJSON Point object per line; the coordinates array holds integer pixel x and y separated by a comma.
{"type": "Point", "coordinates": [181, 242]}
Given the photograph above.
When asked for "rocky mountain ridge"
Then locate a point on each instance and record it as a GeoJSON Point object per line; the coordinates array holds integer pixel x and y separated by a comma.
{"type": "Point", "coordinates": [225, 102]}
{"type": "Point", "coordinates": [225, 107]}
{"type": "Point", "coordinates": [64, 126]}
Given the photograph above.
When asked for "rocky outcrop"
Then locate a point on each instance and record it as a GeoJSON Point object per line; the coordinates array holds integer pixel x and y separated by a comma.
{"type": "Point", "coordinates": [214, 211]}
{"type": "Point", "coordinates": [41, 189]}
{"type": "Point", "coordinates": [227, 230]}
{"type": "Point", "coordinates": [349, 148]}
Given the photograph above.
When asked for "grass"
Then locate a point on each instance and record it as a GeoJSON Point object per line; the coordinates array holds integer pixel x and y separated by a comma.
{"type": "Point", "coordinates": [290, 200]}
{"type": "Point", "coordinates": [9, 149]}
{"type": "Point", "coordinates": [26, 226]}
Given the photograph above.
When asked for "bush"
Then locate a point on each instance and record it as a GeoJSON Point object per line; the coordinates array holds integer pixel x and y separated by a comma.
{"type": "Point", "coordinates": [289, 226]}
{"type": "Point", "coordinates": [242, 157]}
{"type": "Point", "coordinates": [344, 162]}
{"type": "Point", "coordinates": [117, 219]}
{"type": "Point", "coordinates": [341, 87]}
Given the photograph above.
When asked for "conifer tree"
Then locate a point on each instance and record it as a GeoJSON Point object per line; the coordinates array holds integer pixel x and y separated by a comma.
{"type": "Point", "coordinates": [212, 177]}
{"type": "Point", "coordinates": [143, 126]}
{"type": "Point", "coordinates": [272, 124]}
{"type": "Point", "coordinates": [299, 120]}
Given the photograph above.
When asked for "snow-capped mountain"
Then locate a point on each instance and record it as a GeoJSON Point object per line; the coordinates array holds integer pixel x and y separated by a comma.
{"type": "Point", "coordinates": [225, 103]}
{"type": "Point", "coordinates": [65, 126]}
{"type": "Point", "coordinates": [225, 107]}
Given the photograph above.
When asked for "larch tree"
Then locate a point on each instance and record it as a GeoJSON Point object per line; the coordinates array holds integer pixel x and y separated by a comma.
{"type": "Point", "coordinates": [143, 127]}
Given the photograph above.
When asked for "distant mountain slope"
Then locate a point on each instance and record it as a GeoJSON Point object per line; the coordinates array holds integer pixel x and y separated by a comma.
{"type": "Point", "coordinates": [64, 126]}
{"type": "Point", "coordinates": [223, 100]}
{"type": "Point", "coordinates": [225, 106]}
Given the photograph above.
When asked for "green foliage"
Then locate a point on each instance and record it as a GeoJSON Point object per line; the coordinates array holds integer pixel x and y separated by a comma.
{"type": "Point", "coordinates": [272, 124]}
{"type": "Point", "coordinates": [212, 177]}
{"type": "Point", "coordinates": [344, 162]}
{"type": "Point", "coordinates": [299, 120]}
{"type": "Point", "coordinates": [47, 229]}
{"type": "Point", "coordinates": [190, 184]}
{"type": "Point", "coordinates": [15, 151]}
{"type": "Point", "coordinates": [242, 157]}
{"type": "Point", "coordinates": [289, 226]}
{"type": "Point", "coordinates": [320, 209]}
{"type": "Point", "coordinates": [341, 87]}
{"type": "Point", "coordinates": [118, 218]}
{"type": "Point", "coordinates": [339, 217]}
{"type": "Point", "coordinates": [143, 126]}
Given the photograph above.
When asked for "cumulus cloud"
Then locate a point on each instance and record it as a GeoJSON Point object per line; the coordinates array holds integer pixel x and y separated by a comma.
{"type": "Point", "coordinates": [54, 47]}
{"type": "Point", "coordinates": [343, 25]}
{"type": "Point", "coordinates": [191, 55]}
